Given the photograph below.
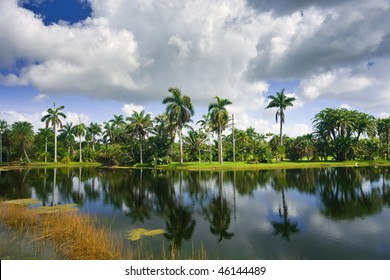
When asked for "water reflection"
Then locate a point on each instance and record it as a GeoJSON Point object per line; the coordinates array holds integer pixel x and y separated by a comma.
{"type": "Point", "coordinates": [327, 208]}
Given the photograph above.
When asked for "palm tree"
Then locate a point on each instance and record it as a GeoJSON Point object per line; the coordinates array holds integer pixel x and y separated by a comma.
{"type": "Point", "coordinates": [45, 132]}
{"type": "Point", "coordinates": [67, 133]}
{"type": "Point", "coordinates": [3, 127]}
{"type": "Point", "coordinates": [383, 129]}
{"type": "Point", "coordinates": [206, 125]}
{"type": "Point", "coordinates": [194, 142]}
{"type": "Point", "coordinates": [95, 130]}
{"type": "Point", "coordinates": [280, 101]}
{"type": "Point", "coordinates": [219, 118]}
{"type": "Point", "coordinates": [79, 131]}
{"type": "Point", "coordinates": [22, 137]}
{"type": "Point", "coordinates": [53, 117]}
{"type": "Point", "coordinates": [180, 111]}
{"type": "Point", "coordinates": [141, 124]}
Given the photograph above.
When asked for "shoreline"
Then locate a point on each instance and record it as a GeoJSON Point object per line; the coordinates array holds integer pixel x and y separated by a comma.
{"type": "Point", "coordinates": [205, 166]}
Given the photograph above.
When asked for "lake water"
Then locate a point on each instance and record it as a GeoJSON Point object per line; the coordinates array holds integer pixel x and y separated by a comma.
{"type": "Point", "coordinates": [328, 213]}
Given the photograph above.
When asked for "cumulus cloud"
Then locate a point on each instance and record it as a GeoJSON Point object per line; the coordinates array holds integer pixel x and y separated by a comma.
{"type": "Point", "coordinates": [129, 109]}
{"type": "Point", "coordinates": [133, 51]}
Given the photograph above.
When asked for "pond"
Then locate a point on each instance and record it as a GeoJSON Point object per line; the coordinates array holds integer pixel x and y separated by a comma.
{"type": "Point", "coordinates": [327, 213]}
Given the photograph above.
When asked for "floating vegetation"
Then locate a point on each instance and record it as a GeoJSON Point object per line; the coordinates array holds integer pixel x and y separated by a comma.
{"type": "Point", "coordinates": [23, 201]}
{"type": "Point", "coordinates": [138, 233]}
{"type": "Point", "coordinates": [55, 209]}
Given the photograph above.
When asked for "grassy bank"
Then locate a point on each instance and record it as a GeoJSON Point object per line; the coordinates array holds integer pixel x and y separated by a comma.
{"type": "Point", "coordinates": [41, 164]}
{"type": "Point", "coordinates": [273, 165]}
{"type": "Point", "coordinates": [206, 165]}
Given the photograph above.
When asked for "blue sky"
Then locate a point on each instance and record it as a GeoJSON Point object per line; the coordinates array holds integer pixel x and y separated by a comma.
{"type": "Point", "coordinates": [99, 58]}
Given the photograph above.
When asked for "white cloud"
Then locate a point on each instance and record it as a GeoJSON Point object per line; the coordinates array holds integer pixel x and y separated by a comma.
{"type": "Point", "coordinates": [40, 97]}
{"type": "Point", "coordinates": [129, 109]}
{"type": "Point", "coordinates": [133, 51]}
{"type": "Point", "coordinates": [12, 116]}
{"type": "Point", "coordinates": [76, 118]}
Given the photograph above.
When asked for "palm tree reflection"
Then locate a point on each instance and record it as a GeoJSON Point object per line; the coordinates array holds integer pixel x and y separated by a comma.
{"type": "Point", "coordinates": [218, 214]}
{"type": "Point", "coordinates": [285, 226]}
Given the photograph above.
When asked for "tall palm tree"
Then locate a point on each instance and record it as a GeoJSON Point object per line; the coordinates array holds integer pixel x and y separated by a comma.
{"type": "Point", "coordinates": [53, 118]}
{"type": "Point", "coordinates": [281, 102]}
{"type": "Point", "coordinates": [79, 131]}
{"type": "Point", "coordinates": [142, 125]}
{"type": "Point", "coordinates": [3, 127]}
{"type": "Point", "coordinates": [180, 111]}
{"type": "Point", "coordinates": [220, 118]}
{"type": "Point", "coordinates": [95, 130]}
{"type": "Point", "coordinates": [22, 137]}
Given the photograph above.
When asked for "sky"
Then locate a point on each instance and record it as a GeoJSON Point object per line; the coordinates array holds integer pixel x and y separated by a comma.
{"type": "Point", "coordinates": [104, 57]}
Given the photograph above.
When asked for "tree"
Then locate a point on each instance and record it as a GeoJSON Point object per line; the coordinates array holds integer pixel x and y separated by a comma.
{"type": "Point", "coordinates": [206, 125]}
{"type": "Point", "coordinates": [79, 131]}
{"type": "Point", "coordinates": [45, 132]}
{"type": "Point", "coordinates": [180, 110]}
{"type": "Point", "coordinates": [53, 118]}
{"type": "Point", "coordinates": [67, 134]}
{"type": "Point", "coordinates": [95, 130]}
{"type": "Point", "coordinates": [219, 117]}
{"type": "Point", "coordinates": [383, 127]}
{"type": "Point", "coordinates": [281, 102]}
{"type": "Point", "coordinates": [142, 125]}
{"type": "Point", "coordinates": [3, 127]}
{"type": "Point", "coordinates": [194, 142]}
{"type": "Point", "coordinates": [341, 130]}
{"type": "Point", "coordinates": [22, 137]}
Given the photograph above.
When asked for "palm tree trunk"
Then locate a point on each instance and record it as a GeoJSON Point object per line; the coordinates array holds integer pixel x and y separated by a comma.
{"type": "Point", "coordinates": [220, 145]}
{"type": "Point", "coordinates": [55, 142]}
{"type": "Point", "coordinates": [181, 146]}
{"type": "Point", "coordinates": [93, 143]}
{"type": "Point", "coordinates": [281, 134]}
{"type": "Point", "coordinates": [140, 150]}
{"type": "Point", "coordinates": [81, 160]}
{"type": "Point", "coordinates": [1, 148]}
{"type": "Point", "coordinates": [46, 149]}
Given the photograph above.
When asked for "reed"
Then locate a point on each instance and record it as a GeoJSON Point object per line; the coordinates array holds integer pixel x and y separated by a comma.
{"type": "Point", "coordinates": [78, 236]}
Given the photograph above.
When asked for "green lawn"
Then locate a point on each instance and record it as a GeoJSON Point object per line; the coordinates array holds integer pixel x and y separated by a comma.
{"type": "Point", "coordinates": [273, 165]}
{"type": "Point", "coordinates": [208, 166]}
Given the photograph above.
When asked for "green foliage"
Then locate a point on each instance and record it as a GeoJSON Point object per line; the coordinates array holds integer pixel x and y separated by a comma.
{"type": "Point", "coordinates": [66, 160]}
{"type": "Point", "coordinates": [112, 155]}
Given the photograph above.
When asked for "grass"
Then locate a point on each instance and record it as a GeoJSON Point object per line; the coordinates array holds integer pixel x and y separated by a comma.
{"type": "Point", "coordinates": [76, 236]}
{"type": "Point", "coordinates": [41, 164]}
{"type": "Point", "coordinates": [273, 165]}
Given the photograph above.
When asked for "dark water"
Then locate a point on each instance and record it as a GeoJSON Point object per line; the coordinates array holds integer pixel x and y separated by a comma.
{"type": "Point", "coordinates": [331, 213]}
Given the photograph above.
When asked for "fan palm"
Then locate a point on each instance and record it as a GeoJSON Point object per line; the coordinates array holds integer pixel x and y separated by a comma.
{"type": "Point", "coordinates": [281, 102]}
{"type": "Point", "coordinates": [53, 118]}
{"type": "Point", "coordinates": [219, 118]}
{"type": "Point", "coordinates": [180, 110]}
{"type": "Point", "coordinates": [141, 124]}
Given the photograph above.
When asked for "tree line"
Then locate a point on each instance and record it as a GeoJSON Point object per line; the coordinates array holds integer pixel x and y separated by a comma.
{"type": "Point", "coordinates": [338, 134]}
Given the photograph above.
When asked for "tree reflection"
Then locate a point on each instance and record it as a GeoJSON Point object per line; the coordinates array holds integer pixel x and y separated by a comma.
{"type": "Point", "coordinates": [343, 196]}
{"type": "Point", "coordinates": [218, 214]}
{"type": "Point", "coordinates": [285, 227]}
{"type": "Point", "coordinates": [180, 225]}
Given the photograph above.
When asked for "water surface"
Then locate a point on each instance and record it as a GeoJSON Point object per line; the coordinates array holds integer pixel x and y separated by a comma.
{"type": "Point", "coordinates": [329, 213]}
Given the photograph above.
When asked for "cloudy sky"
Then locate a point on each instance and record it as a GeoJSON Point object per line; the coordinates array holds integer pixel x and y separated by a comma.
{"type": "Point", "coordinates": [105, 57]}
